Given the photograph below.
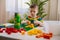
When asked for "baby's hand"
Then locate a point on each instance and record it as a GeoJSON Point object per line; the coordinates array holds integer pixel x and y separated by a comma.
{"type": "Point", "coordinates": [25, 21]}
{"type": "Point", "coordinates": [38, 23]}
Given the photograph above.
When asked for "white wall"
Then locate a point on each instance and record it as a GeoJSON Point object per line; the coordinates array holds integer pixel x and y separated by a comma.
{"type": "Point", "coordinates": [54, 27]}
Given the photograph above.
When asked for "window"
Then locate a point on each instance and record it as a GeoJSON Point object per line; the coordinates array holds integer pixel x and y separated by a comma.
{"type": "Point", "coordinates": [10, 5]}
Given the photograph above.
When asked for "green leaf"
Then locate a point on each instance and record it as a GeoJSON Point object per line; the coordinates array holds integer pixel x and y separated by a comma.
{"type": "Point", "coordinates": [43, 15]}
{"type": "Point", "coordinates": [25, 15]}
{"type": "Point", "coordinates": [11, 20]}
{"type": "Point", "coordinates": [28, 3]}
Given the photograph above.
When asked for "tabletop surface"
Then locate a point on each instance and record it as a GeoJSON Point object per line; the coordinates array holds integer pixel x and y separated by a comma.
{"type": "Point", "coordinates": [24, 37]}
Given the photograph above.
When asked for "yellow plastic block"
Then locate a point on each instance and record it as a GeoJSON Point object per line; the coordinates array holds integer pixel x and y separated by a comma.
{"type": "Point", "coordinates": [34, 32]}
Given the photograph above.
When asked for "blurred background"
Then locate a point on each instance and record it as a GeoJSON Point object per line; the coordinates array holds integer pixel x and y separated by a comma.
{"type": "Point", "coordinates": [7, 9]}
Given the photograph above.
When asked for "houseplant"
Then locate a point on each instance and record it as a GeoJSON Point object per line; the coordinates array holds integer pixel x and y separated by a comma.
{"type": "Point", "coordinates": [40, 4]}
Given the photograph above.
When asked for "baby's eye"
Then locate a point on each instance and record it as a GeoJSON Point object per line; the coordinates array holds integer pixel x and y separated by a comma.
{"type": "Point", "coordinates": [34, 11]}
{"type": "Point", "coordinates": [30, 11]}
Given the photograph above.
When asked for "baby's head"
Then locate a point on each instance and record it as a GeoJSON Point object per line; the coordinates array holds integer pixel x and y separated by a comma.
{"type": "Point", "coordinates": [33, 9]}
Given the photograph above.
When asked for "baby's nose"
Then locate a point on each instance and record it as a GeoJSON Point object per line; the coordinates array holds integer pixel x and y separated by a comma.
{"type": "Point", "coordinates": [32, 12]}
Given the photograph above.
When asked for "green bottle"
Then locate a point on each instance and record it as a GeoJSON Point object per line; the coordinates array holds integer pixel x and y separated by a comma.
{"type": "Point", "coordinates": [17, 21]}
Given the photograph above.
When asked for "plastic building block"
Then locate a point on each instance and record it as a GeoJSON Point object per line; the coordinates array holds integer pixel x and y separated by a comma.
{"type": "Point", "coordinates": [34, 32]}
{"type": "Point", "coordinates": [2, 26]}
{"type": "Point", "coordinates": [17, 21]}
{"type": "Point", "coordinates": [44, 35]}
{"type": "Point", "coordinates": [22, 32]}
{"type": "Point", "coordinates": [1, 31]}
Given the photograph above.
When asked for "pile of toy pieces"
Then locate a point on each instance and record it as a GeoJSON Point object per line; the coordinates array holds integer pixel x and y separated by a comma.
{"type": "Point", "coordinates": [28, 28]}
{"type": "Point", "coordinates": [37, 32]}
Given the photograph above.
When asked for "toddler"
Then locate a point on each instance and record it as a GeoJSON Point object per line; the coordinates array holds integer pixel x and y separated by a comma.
{"type": "Point", "coordinates": [32, 17]}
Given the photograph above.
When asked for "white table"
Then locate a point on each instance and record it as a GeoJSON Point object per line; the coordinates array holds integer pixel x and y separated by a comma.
{"type": "Point", "coordinates": [26, 37]}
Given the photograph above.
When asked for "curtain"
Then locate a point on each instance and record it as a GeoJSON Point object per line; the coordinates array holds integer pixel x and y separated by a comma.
{"type": "Point", "coordinates": [52, 8]}
{"type": "Point", "coordinates": [58, 10]}
{"type": "Point", "coordinates": [10, 5]}
{"type": "Point", "coordinates": [2, 12]}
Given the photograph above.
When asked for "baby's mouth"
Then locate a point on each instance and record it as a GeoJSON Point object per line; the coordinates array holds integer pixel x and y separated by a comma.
{"type": "Point", "coordinates": [33, 15]}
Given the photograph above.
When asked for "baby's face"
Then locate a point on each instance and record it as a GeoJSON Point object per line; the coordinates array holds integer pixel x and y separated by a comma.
{"type": "Point", "coordinates": [33, 11]}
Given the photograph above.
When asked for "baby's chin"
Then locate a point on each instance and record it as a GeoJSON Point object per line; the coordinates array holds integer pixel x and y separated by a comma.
{"type": "Point", "coordinates": [34, 16]}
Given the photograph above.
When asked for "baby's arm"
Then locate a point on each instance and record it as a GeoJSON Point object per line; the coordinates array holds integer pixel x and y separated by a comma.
{"type": "Point", "coordinates": [25, 21]}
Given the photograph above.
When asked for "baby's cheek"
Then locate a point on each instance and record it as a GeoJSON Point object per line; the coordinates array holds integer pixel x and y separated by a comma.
{"type": "Point", "coordinates": [36, 12]}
